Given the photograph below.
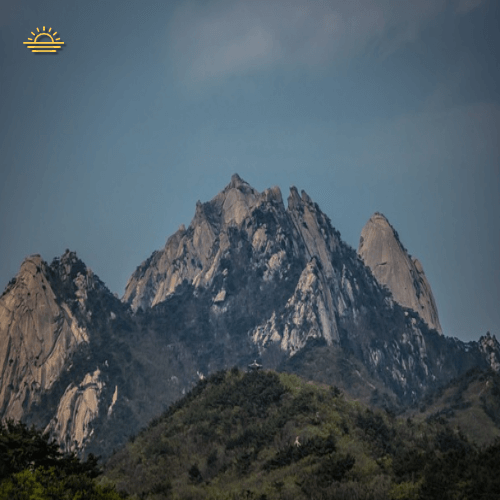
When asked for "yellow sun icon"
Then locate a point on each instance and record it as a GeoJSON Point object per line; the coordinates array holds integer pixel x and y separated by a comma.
{"type": "Point", "coordinates": [44, 46]}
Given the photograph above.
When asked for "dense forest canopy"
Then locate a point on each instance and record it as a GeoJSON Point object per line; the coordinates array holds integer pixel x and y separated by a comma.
{"type": "Point", "coordinates": [263, 435]}
{"type": "Point", "coordinates": [33, 468]}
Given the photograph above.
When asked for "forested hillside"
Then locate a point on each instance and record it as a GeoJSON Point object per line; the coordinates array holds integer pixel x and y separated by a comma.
{"type": "Point", "coordinates": [263, 435]}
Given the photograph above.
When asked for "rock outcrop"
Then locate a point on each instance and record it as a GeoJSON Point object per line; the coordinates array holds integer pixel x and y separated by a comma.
{"type": "Point", "coordinates": [77, 411]}
{"type": "Point", "coordinates": [39, 332]}
{"type": "Point", "coordinates": [489, 345]}
{"type": "Point", "coordinates": [195, 254]}
{"type": "Point", "coordinates": [383, 252]}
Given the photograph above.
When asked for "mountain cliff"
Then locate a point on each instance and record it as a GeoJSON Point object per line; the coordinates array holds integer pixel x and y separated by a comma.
{"type": "Point", "coordinates": [250, 278]}
{"type": "Point", "coordinates": [383, 252]}
{"type": "Point", "coordinates": [57, 323]}
{"type": "Point", "coordinates": [39, 334]}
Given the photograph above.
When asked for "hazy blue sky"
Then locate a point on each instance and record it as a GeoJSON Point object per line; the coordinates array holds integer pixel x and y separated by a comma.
{"type": "Point", "coordinates": [368, 105]}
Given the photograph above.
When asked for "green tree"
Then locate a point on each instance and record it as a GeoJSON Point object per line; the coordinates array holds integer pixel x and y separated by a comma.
{"type": "Point", "coordinates": [33, 468]}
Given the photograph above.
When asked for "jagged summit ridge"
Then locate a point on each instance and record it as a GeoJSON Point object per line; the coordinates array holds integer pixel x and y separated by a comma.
{"type": "Point", "coordinates": [194, 255]}
{"type": "Point", "coordinates": [382, 251]}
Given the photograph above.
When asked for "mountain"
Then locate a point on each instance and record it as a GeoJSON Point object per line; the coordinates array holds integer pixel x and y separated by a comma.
{"type": "Point", "coordinates": [250, 278]}
{"type": "Point", "coordinates": [382, 251]}
{"type": "Point", "coordinates": [271, 281]}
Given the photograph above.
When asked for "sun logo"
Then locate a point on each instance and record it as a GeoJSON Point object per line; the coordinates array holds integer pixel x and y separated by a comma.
{"type": "Point", "coordinates": [44, 46]}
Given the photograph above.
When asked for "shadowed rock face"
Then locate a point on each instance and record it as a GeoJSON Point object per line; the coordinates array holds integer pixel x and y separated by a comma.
{"type": "Point", "coordinates": [250, 278]}
{"type": "Point", "coordinates": [390, 263]}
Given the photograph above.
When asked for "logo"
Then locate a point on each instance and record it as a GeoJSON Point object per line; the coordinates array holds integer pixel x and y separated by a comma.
{"type": "Point", "coordinates": [44, 46]}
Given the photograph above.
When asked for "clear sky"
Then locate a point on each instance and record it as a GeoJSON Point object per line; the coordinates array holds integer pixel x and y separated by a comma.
{"type": "Point", "coordinates": [151, 105]}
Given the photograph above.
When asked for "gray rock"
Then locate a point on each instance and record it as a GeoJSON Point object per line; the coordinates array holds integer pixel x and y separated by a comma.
{"type": "Point", "coordinates": [194, 255]}
{"type": "Point", "coordinates": [38, 334]}
{"type": "Point", "coordinates": [382, 251]}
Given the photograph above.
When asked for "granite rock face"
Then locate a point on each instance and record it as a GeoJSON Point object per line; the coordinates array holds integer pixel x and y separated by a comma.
{"type": "Point", "coordinates": [77, 411]}
{"type": "Point", "coordinates": [250, 278]}
{"type": "Point", "coordinates": [38, 335]}
{"type": "Point", "coordinates": [194, 255]}
{"type": "Point", "coordinates": [382, 251]}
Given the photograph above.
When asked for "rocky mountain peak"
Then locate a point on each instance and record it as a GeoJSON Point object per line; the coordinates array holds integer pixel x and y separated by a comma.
{"type": "Point", "coordinates": [194, 254]}
{"type": "Point", "coordinates": [382, 251]}
{"type": "Point", "coordinates": [382, 225]}
{"type": "Point", "coordinates": [31, 275]}
{"type": "Point", "coordinates": [30, 267]}
{"type": "Point", "coordinates": [34, 259]}
{"type": "Point", "coordinates": [39, 332]}
{"type": "Point", "coordinates": [234, 202]}
{"type": "Point", "coordinates": [69, 256]}
{"type": "Point", "coordinates": [296, 201]}
{"type": "Point", "coordinates": [237, 182]}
